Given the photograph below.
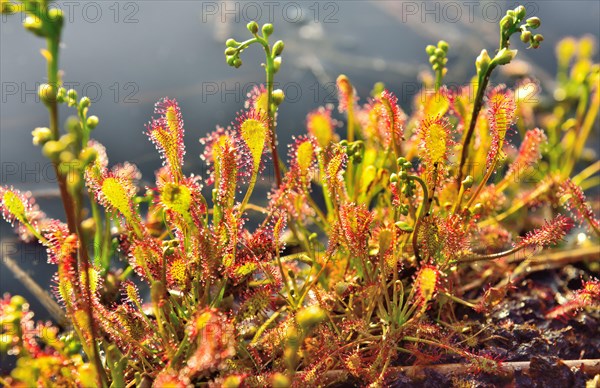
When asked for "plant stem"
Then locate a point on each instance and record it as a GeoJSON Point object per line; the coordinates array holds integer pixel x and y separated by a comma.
{"type": "Point", "coordinates": [481, 87]}
{"type": "Point", "coordinates": [270, 71]}
{"type": "Point", "coordinates": [584, 132]}
{"type": "Point", "coordinates": [68, 202]}
{"type": "Point", "coordinates": [481, 185]}
{"type": "Point", "coordinates": [492, 256]}
{"type": "Point", "coordinates": [422, 214]}
{"type": "Point", "coordinates": [84, 263]}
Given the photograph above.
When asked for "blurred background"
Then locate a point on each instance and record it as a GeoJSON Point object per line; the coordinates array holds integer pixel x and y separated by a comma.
{"type": "Point", "coordinates": [125, 55]}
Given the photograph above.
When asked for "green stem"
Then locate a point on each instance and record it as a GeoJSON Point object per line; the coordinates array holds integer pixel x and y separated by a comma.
{"type": "Point", "coordinates": [583, 134]}
{"type": "Point", "coordinates": [478, 104]}
{"type": "Point", "coordinates": [249, 191]}
{"type": "Point", "coordinates": [492, 256]}
{"type": "Point", "coordinates": [69, 204]}
{"type": "Point", "coordinates": [422, 214]}
{"type": "Point", "coordinates": [487, 176]}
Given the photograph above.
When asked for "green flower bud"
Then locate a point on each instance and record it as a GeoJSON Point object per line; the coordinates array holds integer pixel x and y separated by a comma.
{"type": "Point", "coordinates": [267, 29]}
{"type": "Point", "coordinates": [278, 96]}
{"type": "Point", "coordinates": [88, 155]}
{"type": "Point", "coordinates": [230, 60]}
{"type": "Point", "coordinates": [84, 102]}
{"type": "Point", "coordinates": [57, 16]}
{"type": "Point", "coordinates": [520, 12]}
{"type": "Point", "coordinates": [52, 149]}
{"type": "Point", "coordinates": [72, 94]}
{"type": "Point", "coordinates": [537, 39]}
{"type": "Point", "coordinates": [433, 59]}
{"type": "Point", "coordinates": [41, 135]}
{"type": "Point", "coordinates": [504, 56]}
{"type": "Point", "coordinates": [468, 182]}
{"type": "Point", "coordinates": [66, 157]}
{"type": "Point", "coordinates": [533, 22]}
{"type": "Point", "coordinates": [442, 44]}
{"type": "Point", "coordinates": [232, 43]}
{"type": "Point", "coordinates": [61, 95]}
{"type": "Point", "coordinates": [47, 93]}
{"type": "Point", "coordinates": [237, 62]}
{"type": "Point", "coordinates": [393, 178]}
{"type": "Point", "coordinates": [252, 27]}
{"type": "Point", "coordinates": [430, 49]}
{"type": "Point", "coordinates": [309, 317]}
{"type": "Point", "coordinates": [482, 62]}
{"type": "Point", "coordinates": [68, 139]}
{"type": "Point", "coordinates": [92, 122]}
{"type": "Point", "coordinates": [401, 160]}
{"type": "Point", "coordinates": [230, 51]}
{"type": "Point", "coordinates": [403, 175]}
{"type": "Point", "coordinates": [277, 64]}
{"type": "Point", "coordinates": [439, 53]}
{"type": "Point", "coordinates": [526, 36]}
{"type": "Point", "coordinates": [506, 22]}
{"type": "Point", "coordinates": [278, 47]}
{"type": "Point", "coordinates": [34, 24]}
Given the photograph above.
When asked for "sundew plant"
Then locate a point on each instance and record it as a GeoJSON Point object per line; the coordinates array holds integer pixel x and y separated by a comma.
{"type": "Point", "coordinates": [378, 228]}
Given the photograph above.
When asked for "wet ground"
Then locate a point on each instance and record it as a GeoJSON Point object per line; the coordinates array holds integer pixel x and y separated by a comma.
{"type": "Point", "coordinates": [518, 330]}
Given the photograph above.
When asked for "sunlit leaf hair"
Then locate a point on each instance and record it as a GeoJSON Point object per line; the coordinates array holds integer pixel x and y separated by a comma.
{"type": "Point", "coordinates": [253, 131]}
{"type": "Point", "coordinates": [501, 112]}
{"type": "Point", "coordinates": [393, 119]}
{"type": "Point", "coordinates": [320, 125]}
{"type": "Point", "coordinates": [16, 206]}
{"type": "Point", "coordinates": [435, 136]}
{"type": "Point", "coordinates": [551, 233]}
{"type": "Point", "coordinates": [575, 200]}
{"type": "Point", "coordinates": [257, 99]}
{"type": "Point", "coordinates": [529, 155]}
{"type": "Point", "coordinates": [166, 133]}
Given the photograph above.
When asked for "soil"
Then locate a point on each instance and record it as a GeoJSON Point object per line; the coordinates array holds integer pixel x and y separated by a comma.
{"type": "Point", "coordinates": [517, 330]}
